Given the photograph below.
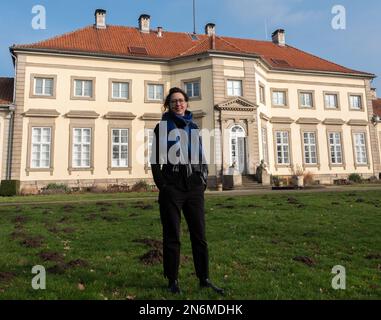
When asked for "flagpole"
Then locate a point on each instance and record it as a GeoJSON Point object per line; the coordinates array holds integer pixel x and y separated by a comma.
{"type": "Point", "coordinates": [194, 16]}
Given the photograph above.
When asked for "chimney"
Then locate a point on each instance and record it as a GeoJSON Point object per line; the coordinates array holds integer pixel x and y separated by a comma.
{"type": "Point", "coordinates": [210, 29]}
{"type": "Point", "coordinates": [160, 32]}
{"type": "Point", "coordinates": [373, 93]}
{"type": "Point", "coordinates": [100, 19]}
{"type": "Point", "coordinates": [144, 22]}
{"type": "Point", "coordinates": [279, 37]}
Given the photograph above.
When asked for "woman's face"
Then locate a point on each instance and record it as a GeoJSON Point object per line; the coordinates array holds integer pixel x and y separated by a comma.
{"type": "Point", "coordinates": [178, 104]}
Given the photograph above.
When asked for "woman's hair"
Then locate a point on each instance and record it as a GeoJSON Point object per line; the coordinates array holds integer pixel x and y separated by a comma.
{"type": "Point", "coordinates": [171, 92]}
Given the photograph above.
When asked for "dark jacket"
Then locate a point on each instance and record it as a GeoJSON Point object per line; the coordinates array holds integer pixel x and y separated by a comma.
{"type": "Point", "coordinates": [176, 175]}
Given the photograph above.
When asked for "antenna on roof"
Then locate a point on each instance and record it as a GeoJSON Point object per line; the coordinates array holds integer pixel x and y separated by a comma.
{"type": "Point", "coordinates": [194, 16]}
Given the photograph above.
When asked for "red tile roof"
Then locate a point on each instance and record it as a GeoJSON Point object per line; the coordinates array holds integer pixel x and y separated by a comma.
{"type": "Point", "coordinates": [377, 106]}
{"type": "Point", "coordinates": [6, 90]}
{"type": "Point", "coordinates": [117, 41]}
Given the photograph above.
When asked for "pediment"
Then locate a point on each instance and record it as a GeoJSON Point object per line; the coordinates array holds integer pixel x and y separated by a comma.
{"type": "Point", "coordinates": [237, 104]}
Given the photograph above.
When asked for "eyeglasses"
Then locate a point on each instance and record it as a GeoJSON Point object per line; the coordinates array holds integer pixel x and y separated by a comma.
{"type": "Point", "coordinates": [174, 102]}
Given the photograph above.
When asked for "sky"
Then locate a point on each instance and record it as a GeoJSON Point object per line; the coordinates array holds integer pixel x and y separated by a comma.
{"type": "Point", "coordinates": [308, 24]}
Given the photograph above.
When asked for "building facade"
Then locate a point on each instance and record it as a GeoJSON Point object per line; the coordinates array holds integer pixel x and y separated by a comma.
{"type": "Point", "coordinates": [85, 104]}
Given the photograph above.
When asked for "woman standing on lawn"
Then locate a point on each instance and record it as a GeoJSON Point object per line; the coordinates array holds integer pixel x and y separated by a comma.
{"type": "Point", "coordinates": [181, 186]}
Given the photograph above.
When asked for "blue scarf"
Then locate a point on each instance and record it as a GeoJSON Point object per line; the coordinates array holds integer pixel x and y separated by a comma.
{"type": "Point", "coordinates": [185, 123]}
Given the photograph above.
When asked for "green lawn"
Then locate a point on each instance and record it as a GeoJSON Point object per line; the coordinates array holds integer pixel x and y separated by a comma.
{"type": "Point", "coordinates": [94, 250]}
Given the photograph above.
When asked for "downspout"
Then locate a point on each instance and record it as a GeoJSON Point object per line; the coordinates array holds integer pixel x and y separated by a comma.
{"type": "Point", "coordinates": [11, 125]}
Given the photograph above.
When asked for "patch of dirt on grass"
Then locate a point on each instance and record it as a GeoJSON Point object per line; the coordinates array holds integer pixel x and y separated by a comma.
{"type": "Point", "coordinates": [102, 203]}
{"type": "Point", "coordinates": [20, 219]}
{"type": "Point", "coordinates": [52, 229]}
{"type": "Point", "coordinates": [68, 230]}
{"type": "Point", "coordinates": [51, 256]}
{"type": "Point", "coordinates": [91, 216]}
{"type": "Point", "coordinates": [334, 203]}
{"type": "Point", "coordinates": [18, 234]}
{"type": "Point", "coordinates": [143, 206]}
{"type": "Point", "coordinates": [109, 218]}
{"type": "Point", "coordinates": [63, 220]}
{"type": "Point", "coordinates": [103, 209]}
{"type": "Point", "coordinates": [254, 206]}
{"type": "Point", "coordinates": [77, 263]}
{"type": "Point", "coordinates": [292, 200]}
{"type": "Point", "coordinates": [6, 277]}
{"type": "Point", "coordinates": [373, 256]}
{"type": "Point", "coordinates": [153, 256]}
{"type": "Point", "coordinates": [32, 241]}
{"type": "Point", "coordinates": [68, 208]}
{"type": "Point", "coordinates": [152, 243]}
{"type": "Point", "coordinates": [61, 267]}
{"type": "Point", "coordinates": [306, 260]}
{"type": "Point", "coordinates": [184, 259]}
{"type": "Point", "coordinates": [360, 200]}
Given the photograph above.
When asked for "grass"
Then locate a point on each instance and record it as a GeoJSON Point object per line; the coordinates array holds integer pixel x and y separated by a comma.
{"type": "Point", "coordinates": [90, 250]}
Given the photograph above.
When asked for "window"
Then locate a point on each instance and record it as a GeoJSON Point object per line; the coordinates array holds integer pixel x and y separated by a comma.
{"type": "Point", "coordinates": [282, 147]}
{"type": "Point", "coordinates": [41, 141]}
{"type": "Point", "coordinates": [279, 98]}
{"type": "Point", "coordinates": [149, 140]}
{"type": "Point", "coordinates": [43, 86]}
{"type": "Point", "coordinates": [265, 149]}
{"type": "Point", "coordinates": [306, 100]}
{"type": "Point", "coordinates": [119, 148]}
{"type": "Point", "coordinates": [360, 148]}
{"type": "Point", "coordinates": [262, 94]}
{"type": "Point", "coordinates": [355, 102]}
{"type": "Point", "coordinates": [155, 92]}
{"type": "Point", "coordinates": [310, 154]}
{"type": "Point", "coordinates": [192, 89]}
{"type": "Point", "coordinates": [331, 101]}
{"type": "Point", "coordinates": [83, 88]}
{"type": "Point", "coordinates": [234, 88]}
{"type": "Point", "coordinates": [335, 148]}
{"type": "Point", "coordinates": [81, 147]}
{"type": "Point", "coordinates": [120, 90]}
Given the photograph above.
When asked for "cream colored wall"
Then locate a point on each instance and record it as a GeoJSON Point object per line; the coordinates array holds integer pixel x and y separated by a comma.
{"type": "Point", "coordinates": [2, 143]}
{"type": "Point", "coordinates": [102, 70]}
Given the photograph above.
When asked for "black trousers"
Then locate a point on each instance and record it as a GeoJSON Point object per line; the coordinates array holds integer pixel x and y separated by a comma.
{"type": "Point", "coordinates": [172, 201]}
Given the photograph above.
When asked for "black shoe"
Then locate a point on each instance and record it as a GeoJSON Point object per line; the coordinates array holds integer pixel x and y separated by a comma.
{"type": "Point", "coordinates": [206, 283]}
{"type": "Point", "coordinates": [173, 286]}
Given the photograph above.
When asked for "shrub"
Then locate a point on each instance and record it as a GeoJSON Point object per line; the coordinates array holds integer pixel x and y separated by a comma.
{"type": "Point", "coordinates": [52, 188]}
{"type": "Point", "coordinates": [141, 186]}
{"type": "Point", "coordinates": [9, 188]}
{"type": "Point", "coordinates": [355, 178]}
{"type": "Point", "coordinates": [308, 178]}
{"type": "Point", "coordinates": [275, 180]}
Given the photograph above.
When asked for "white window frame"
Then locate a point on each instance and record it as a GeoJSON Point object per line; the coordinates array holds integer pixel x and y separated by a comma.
{"type": "Point", "coordinates": [40, 144]}
{"type": "Point", "coordinates": [335, 148]}
{"type": "Point", "coordinates": [327, 102]}
{"type": "Point", "coordinates": [83, 81]}
{"type": "Point", "coordinates": [155, 92]}
{"type": "Point", "coordinates": [302, 95]}
{"type": "Point", "coordinates": [113, 83]}
{"type": "Point", "coordinates": [360, 150]}
{"type": "Point", "coordinates": [276, 100]}
{"type": "Point", "coordinates": [310, 148]}
{"type": "Point", "coordinates": [81, 143]}
{"type": "Point", "coordinates": [232, 89]}
{"type": "Point", "coordinates": [282, 147]}
{"type": "Point", "coordinates": [191, 94]}
{"type": "Point", "coordinates": [119, 144]}
{"type": "Point", "coordinates": [351, 106]}
{"type": "Point", "coordinates": [44, 93]}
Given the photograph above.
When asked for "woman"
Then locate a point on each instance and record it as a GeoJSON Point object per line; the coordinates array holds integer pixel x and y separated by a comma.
{"type": "Point", "coordinates": [182, 183]}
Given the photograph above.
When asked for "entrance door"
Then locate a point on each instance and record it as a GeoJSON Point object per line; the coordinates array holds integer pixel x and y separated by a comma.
{"type": "Point", "coordinates": [238, 148]}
